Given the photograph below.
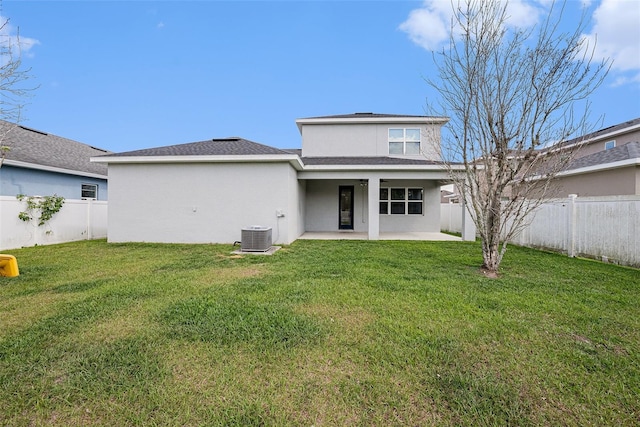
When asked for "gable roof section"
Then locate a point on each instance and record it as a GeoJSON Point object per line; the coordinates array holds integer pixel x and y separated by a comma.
{"type": "Point", "coordinates": [371, 118]}
{"type": "Point", "coordinates": [608, 132]}
{"type": "Point", "coordinates": [617, 156]}
{"type": "Point", "coordinates": [365, 115]}
{"type": "Point", "coordinates": [233, 146]}
{"type": "Point", "coordinates": [35, 149]}
{"type": "Point", "coordinates": [233, 149]}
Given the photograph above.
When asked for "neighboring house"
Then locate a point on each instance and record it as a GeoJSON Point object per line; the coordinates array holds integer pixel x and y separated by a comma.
{"type": "Point", "coordinates": [607, 163]}
{"type": "Point", "coordinates": [363, 172]}
{"type": "Point", "coordinates": [38, 163]}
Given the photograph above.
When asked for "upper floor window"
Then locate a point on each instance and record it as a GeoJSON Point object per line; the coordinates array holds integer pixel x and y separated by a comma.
{"type": "Point", "coordinates": [404, 141]}
{"type": "Point", "coordinates": [89, 191]}
{"type": "Point", "coordinates": [609, 145]}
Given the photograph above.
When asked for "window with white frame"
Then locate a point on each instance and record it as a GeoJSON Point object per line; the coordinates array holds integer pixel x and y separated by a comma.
{"type": "Point", "coordinates": [609, 145]}
{"type": "Point", "coordinates": [404, 141]}
{"type": "Point", "coordinates": [401, 201]}
{"type": "Point", "coordinates": [89, 191]}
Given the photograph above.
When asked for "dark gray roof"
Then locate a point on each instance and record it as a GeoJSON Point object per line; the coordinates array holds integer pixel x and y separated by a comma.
{"type": "Point", "coordinates": [41, 148]}
{"type": "Point", "coordinates": [596, 134]}
{"type": "Point", "coordinates": [233, 146]}
{"type": "Point", "coordinates": [296, 151]}
{"type": "Point", "coordinates": [616, 154]}
{"type": "Point", "coordinates": [370, 161]}
{"type": "Point", "coordinates": [359, 115]}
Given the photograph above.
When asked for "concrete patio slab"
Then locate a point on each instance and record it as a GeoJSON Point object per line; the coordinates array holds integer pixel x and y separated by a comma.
{"type": "Point", "coordinates": [349, 235]}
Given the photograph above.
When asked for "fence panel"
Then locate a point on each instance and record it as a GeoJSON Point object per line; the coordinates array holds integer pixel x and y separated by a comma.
{"type": "Point", "coordinates": [77, 220]}
{"type": "Point", "coordinates": [604, 228]}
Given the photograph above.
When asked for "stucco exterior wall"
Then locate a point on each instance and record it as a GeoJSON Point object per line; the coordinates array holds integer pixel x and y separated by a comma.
{"type": "Point", "coordinates": [322, 207]}
{"type": "Point", "coordinates": [200, 202]}
{"type": "Point", "coordinates": [34, 182]}
{"type": "Point", "coordinates": [622, 181]}
{"type": "Point", "coordinates": [362, 139]}
{"type": "Point", "coordinates": [429, 221]}
{"type": "Point", "coordinates": [598, 145]}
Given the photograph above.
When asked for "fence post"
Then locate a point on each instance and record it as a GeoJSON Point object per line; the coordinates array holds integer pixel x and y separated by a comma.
{"type": "Point", "coordinates": [89, 207]}
{"type": "Point", "coordinates": [571, 226]}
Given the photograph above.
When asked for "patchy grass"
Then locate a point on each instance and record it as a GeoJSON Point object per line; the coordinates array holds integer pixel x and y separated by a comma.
{"type": "Point", "coordinates": [321, 333]}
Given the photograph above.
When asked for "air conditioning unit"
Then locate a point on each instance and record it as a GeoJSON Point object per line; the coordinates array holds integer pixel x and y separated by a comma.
{"type": "Point", "coordinates": [255, 239]}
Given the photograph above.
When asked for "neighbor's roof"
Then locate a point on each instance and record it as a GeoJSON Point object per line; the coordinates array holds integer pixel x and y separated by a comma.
{"type": "Point", "coordinates": [610, 131]}
{"type": "Point", "coordinates": [621, 153]}
{"type": "Point", "coordinates": [233, 146]}
{"type": "Point", "coordinates": [33, 148]}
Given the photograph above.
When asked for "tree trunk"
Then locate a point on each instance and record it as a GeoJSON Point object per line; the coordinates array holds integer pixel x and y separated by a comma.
{"type": "Point", "coordinates": [491, 259]}
{"type": "Point", "coordinates": [491, 239]}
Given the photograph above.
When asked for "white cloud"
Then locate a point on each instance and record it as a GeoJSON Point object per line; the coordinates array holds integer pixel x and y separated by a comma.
{"type": "Point", "coordinates": [9, 36]}
{"type": "Point", "coordinates": [522, 14]}
{"type": "Point", "coordinates": [616, 34]}
{"type": "Point", "coordinates": [429, 25]}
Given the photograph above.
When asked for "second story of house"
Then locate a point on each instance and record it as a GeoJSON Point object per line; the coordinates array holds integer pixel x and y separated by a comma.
{"type": "Point", "coordinates": [371, 135]}
{"type": "Point", "coordinates": [607, 138]}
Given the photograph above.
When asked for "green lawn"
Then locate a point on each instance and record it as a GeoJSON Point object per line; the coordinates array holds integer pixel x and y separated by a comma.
{"type": "Point", "coordinates": [323, 333]}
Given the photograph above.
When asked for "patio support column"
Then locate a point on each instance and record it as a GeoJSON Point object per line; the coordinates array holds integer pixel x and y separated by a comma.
{"type": "Point", "coordinates": [374, 208]}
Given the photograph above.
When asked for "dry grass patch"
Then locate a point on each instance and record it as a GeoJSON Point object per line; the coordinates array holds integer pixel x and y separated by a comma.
{"type": "Point", "coordinates": [14, 317]}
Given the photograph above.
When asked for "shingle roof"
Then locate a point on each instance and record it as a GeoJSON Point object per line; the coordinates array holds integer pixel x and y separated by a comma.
{"type": "Point", "coordinates": [373, 161]}
{"type": "Point", "coordinates": [616, 154]}
{"type": "Point", "coordinates": [359, 115]}
{"type": "Point", "coordinates": [233, 146]}
{"type": "Point", "coordinates": [598, 133]}
{"type": "Point", "coordinates": [41, 148]}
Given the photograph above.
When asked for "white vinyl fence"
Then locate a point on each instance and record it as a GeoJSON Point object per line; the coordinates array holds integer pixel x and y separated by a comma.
{"type": "Point", "coordinates": [604, 228]}
{"type": "Point", "coordinates": [77, 220]}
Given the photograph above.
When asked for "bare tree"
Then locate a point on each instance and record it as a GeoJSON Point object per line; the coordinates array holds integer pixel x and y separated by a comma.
{"type": "Point", "coordinates": [508, 92]}
{"type": "Point", "coordinates": [13, 92]}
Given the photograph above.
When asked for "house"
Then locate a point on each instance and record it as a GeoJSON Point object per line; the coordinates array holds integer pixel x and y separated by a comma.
{"type": "Point", "coordinates": [355, 173]}
{"type": "Point", "coordinates": [607, 163]}
{"type": "Point", "coordinates": [39, 163]}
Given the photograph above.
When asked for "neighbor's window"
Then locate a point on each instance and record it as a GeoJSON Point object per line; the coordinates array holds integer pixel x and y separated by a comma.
{"type": "Point", "coordinates": [401, 201]}
{"type": "Point", "coordinates": [404, 141]}
{"type": "Point", "coordinates": [609, 145]}
{"type": "Point", "coordinates": [89, 191]}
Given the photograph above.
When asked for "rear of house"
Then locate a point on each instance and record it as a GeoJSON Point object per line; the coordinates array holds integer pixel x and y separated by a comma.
{"type": "Point", "coordinates": [363, 172]}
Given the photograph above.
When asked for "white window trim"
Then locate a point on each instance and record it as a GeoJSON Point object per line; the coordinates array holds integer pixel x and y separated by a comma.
{"type": "Point", "coordinates": [82, 190]}
{"type": "Point", "coordinates": [406, 201]}
{"type": "Point", "coordinates": [613, 141]}
{"type": "Point", "coordinates": [404, 141]}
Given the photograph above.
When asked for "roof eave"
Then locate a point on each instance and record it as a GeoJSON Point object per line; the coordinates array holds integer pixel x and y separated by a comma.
{"type": "Point", "coordinates": [601, 167]}
{"type": "Point", "coordinates": [371, 120]}
{"type": "Point", "coordinates": [371, 167]}
{"type": "Point", "coordinates": [258, 158]}
{"type": "Point", "coordinates": [607, 136]}
{"type": "Point", "coordinates": [27, 165]}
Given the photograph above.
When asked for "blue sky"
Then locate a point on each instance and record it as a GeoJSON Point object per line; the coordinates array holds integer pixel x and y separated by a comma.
{"type": "Point", "coordinates": [124, 75]}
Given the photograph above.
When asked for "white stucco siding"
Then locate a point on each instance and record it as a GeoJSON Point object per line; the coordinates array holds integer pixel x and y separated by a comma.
{"type": "Point", "coordinates": [322, 207]}
{"type": "Point", "coordinates": [428, 222]}
{"type": "Point", "coordinates": [363, 140]}
{"type": "Point", "coordinates": [199, 203]}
